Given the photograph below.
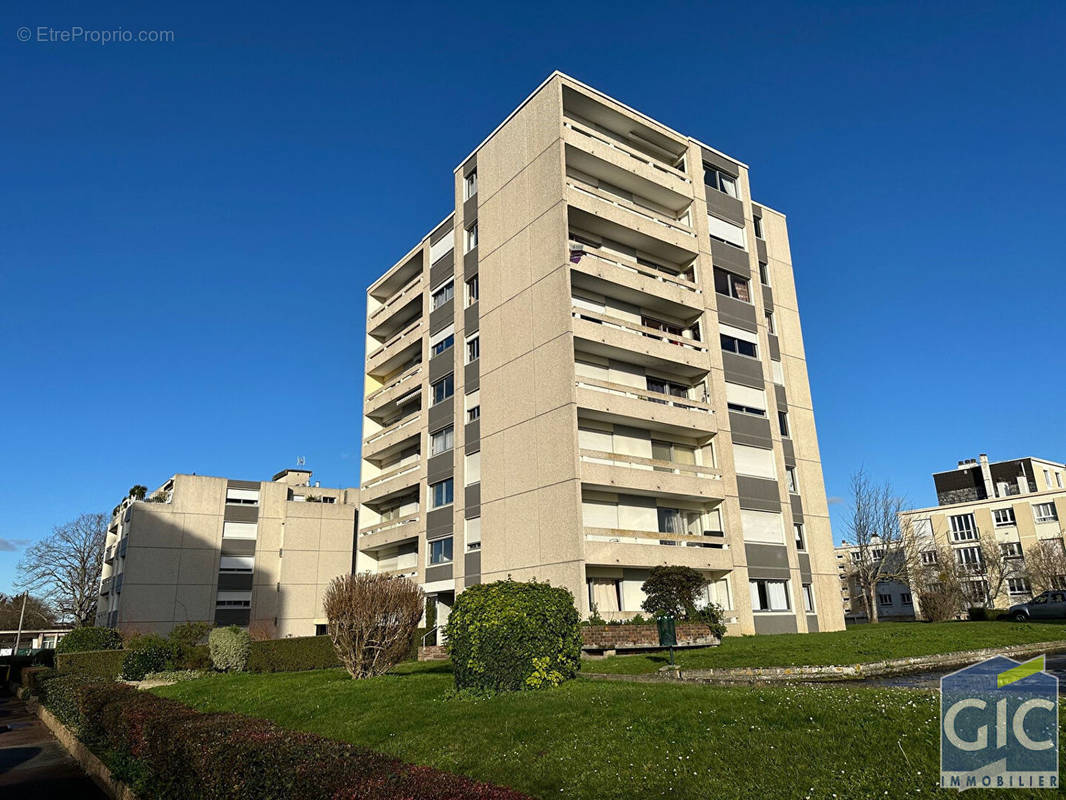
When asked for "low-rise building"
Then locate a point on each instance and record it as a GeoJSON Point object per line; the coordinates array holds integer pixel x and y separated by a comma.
{"type": "Point", "coordinates": [230, 552]}
{"type": "Point", "coordinates": [895, 600]}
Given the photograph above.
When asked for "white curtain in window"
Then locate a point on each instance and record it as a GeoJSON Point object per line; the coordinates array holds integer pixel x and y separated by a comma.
{"type": "Point", "coordinates": [605, 594]}
{"type": "Point", "coordinates": [778, 595]}
{"type": "Point", "coordinates": [755, 603]}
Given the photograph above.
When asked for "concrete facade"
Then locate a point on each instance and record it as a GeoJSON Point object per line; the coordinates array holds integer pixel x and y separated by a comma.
{"type": "Point", "coordinates": [250, 553]}
{"type": "Point", "coordinates": [594, 365]}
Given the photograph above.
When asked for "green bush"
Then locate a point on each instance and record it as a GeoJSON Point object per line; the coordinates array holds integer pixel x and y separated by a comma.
{"type": "Point", "coordinates": [59, 695]}
{"type": "Point", "coordinates": [81, 640]}
{"type": "Point", "coordinates": [140, 661]}
{"type": "Point", "coordinates": [176, 676]}
{"type": "Point", "coordinates": [190, 634]}
{"type": "Point", "coordinates": [230, 648]}
{"type": "Point", "coordinates": [106, 664]}
{"type": "Point", "coordinates": [509, 636]}
{"type": "Point", "coordinates": [981, 614]}
{"type": "Point", "coordinates": [293, 655]}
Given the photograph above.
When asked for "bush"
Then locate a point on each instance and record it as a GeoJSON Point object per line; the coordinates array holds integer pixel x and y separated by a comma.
{"type": "Point", "coordinates": [673, 591]}
{"type": "Point", "coordinates": [980, 613]}
{"type": "Point", "coordinates": [81, 640]}
{"type": "Point", "coordinates": [939, 605]}
{"type": "Point", "coordinates": [230, 648]}
{"type": "Point", "coordinates": [508, 636]}
{"type": "Point", "coordinates": [166, 750]}
{"type": "Point", "coordinates": [371, 619]}
{"type": "Point", "coordinates": [100, 664]}
{"type": "Point", "coordinates": [59, 695]}
{"type": "Point", "coordinates": [190, 634]}
{"type": "Point", "coordinates": [293, 655]}
{"type": "Point", "coordinates": [150, 657]}
{"type": "Point", "coordinates": [176, 675]}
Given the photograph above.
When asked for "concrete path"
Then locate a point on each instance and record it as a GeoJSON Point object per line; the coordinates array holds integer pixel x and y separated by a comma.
{"type": "Point", "coordinates": [33, 764]}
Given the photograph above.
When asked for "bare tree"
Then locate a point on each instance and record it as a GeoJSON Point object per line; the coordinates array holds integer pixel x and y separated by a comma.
{"type": "Point", "coordinates": [371, 620]}
{"type": "Point", "coordinates": [64, 569]}
{"type": "Point", "coordinates": [1045, 565]}
{"type": "Point", "coordinates": [882, 553]}
{"type": "Point", "coordinates": [38, 613]}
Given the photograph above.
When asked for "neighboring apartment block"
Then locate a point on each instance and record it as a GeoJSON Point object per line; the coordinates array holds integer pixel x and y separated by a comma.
{"type": "Point", "coordinates": [594, 366]}
{"type": "Point", "coordinates": [250, 553]}
{"type": "Point", "coordinates": [1020, 502]}
{"type": "Point", "coordinates": [895, 600]}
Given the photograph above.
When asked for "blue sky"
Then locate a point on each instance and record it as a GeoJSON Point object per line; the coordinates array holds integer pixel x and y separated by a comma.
{"type": "Point", "coordinates": [187, 229]}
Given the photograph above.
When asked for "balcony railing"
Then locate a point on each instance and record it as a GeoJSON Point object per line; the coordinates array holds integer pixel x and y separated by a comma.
{"type": "Point", "coordinates": [711, 539]}
{"type": "Point", "coordinates": [629, 205]}
{"type": "Point", "coordinates": [392, 474]}
{"type": "Point", "coordinates": [109, 553]}
{"type": "Point", "coordinates": [105, 586]}
{"type": "Point", "coordinates": [415, 370]}
{"type": "Point", "coordinates": [640, 330]}
{"type": "Point", "coordinates": [403, 423]}
{"type": "Point", "coordinates": [392, 301]}
{"type": "Point", "coordinates": [381, 527]}
{"type": "Point", "coordinates": [611, 139]}
{"type": "Point", "coordinates": [653, 464]}
{"type": "Point", "coordinates": [621, 390]}
{"type": "Point", "coordinates": [579, 251]}
{"type": "Point", "coordinates": [394, 339]}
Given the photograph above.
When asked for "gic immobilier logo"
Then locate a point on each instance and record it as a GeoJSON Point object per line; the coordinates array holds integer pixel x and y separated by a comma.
{"type": "Point", "coordinates": [999, 726]}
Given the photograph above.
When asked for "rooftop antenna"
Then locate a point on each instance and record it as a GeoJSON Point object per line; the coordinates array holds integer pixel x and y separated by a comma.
{"type": "Point", "coordinates": [300, 461]}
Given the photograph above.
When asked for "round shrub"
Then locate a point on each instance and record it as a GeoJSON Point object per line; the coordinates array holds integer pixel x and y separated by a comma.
{"type": "Point", "coordinates": [511, 636]}
{"type": "Point", "coordinates": [230, 648]}
{"type": "Point", "coordinates": [150, 658]}
{"type": "Point", "coordinates": [81, 640]}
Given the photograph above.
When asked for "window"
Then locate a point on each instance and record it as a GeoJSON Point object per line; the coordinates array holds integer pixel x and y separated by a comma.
{"type": "Point", "coordinates": [906, 598]}
{"type": "Point", "coordinates": [242, 497]}
{"type": "Point", "coordinates": [720, 181]}
{"type": "Point", "coordinates": [1045, 512]}
{"type": "Point", "coordinates": [792, 480]}
{"type": "Point", "coordinates": [731, 285]}
{"type": "Point", "coordinates": [471, 238]}
{"type": "Point", "coordinates": [770, 328]}
{"type": "Point", "coordinates": [1058, 479]}
{"type": "Point", "coordinates": [754, 461]}
{"type": "Point", "coordinates": [680, 520]}
{"type": "Point", "coordinates": [236, 563]}
{"type": "Point", "coordinates": [797, 529]}
{"type": "Point", "coordinates": [672, 452]}
{"type": "Point", "coordinates": [1018, 586]}
{"type": "Point", "coordinates": [808, 598]}
{"type": "Point", "coordinates": [877, 553]}
{"type": "Point", "coordinates": [969, 556]}
{"type": "Point", "coordinates": [443, 493]}
{"type": "Point", "coordinates": [963, 528]}
{"type": "Point", "coordinates": [884, 599]}
{"type": "Point", "coordinates": [440, 551]}
{"type": "Point", "coordinates": [1047, 478]}
{"type": "Point", "coordinates": [441, 341]}
{"type": "Point", "coordinates": [764, 273]}
{"type": "Point", "coordinates": [782, 423]}
{"type": "Point", "coordinates": [443, 389]}
{"type": "Point", "coordinates": [473, 348]}
{"type": "Point", "coordinates": [732, 344]}
{"type": "Point", "coordinates": [1011, 549]}
{"type": "Point", "coordinates": [472, 473]}
{"type": "Point", "coordinates": [473, 534]}
{"type": "Point", "coordinates": [929, 557]}
{"type": "Point", "coordinates": [473, 405]}
{"type": "Point", "coordinates": [321, 630]}
{"type": "Point", "coordinates": [1003, 517]}
{"type": "Point", "coordinates": [442, 441]}
{"type": "Point", "coordinates": [234, 599]}
{"type": "Point", "coordinates": [758, 227]}
{"type": "Point", "coordinates": [663, 386]}
{"type": "Point", "coordinates": [442, 295]}
{"type": "Point", "coordinates": [470, 185]}
{"type": "Point", "coordinates": [769, 595]}
{"type": "Point", "coordinates": [471, 291]}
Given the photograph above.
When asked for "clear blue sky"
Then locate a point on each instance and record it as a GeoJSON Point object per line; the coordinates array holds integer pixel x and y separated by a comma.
{"type": "Point", "coordinates": [187, 229]}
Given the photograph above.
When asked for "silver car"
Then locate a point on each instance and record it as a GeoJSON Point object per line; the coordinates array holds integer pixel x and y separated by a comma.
{"type": "Point", "coordinates": [1049, 605]}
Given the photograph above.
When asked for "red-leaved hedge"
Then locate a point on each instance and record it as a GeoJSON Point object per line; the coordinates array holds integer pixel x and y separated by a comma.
{"type": "Point", "coordinates": [167, 750]}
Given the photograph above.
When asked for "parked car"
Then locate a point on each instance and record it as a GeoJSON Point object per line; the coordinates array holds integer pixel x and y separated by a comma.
{"type": "Point", "coordinates": [1049, 605]}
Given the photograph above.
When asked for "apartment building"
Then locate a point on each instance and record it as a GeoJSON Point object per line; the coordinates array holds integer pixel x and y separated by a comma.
{"type": "Point", "coordinates": [231, 552]}
{"type": "Point", "coordinates": [593, 366]}
{"type": "Point", "coordinates": [895, 600]}
{"type": "Point", "coordinates": [1019, 503]}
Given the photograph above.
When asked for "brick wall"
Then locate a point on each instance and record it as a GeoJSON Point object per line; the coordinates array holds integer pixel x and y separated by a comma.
{"type": "Point", "coordinates": [612, 637]}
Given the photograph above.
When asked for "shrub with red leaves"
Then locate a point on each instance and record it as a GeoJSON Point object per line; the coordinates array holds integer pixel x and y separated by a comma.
{"type": "Point", "coordinates": [167, 750]}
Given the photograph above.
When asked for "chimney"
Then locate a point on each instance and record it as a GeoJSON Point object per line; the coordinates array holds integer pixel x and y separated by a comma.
{"type": "Point", "coordinates": [986, 474]}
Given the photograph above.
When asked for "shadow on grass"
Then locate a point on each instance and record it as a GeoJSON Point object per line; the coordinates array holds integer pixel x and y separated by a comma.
{"type": "Point", "coordinates": [408, 668]}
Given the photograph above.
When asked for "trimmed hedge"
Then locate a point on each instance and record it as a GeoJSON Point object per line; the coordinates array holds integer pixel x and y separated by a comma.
{"type": "Point", "coordinates": [293, 655]}
{"type": "Point", "coordinates": [166, 750]}
{"type": "Point", "coordinates": [89, 638]}
{"type": "Point", "coordinates": [102, 664]}
{"type": "Point", "coordinates": [981, 614]}
{"type": "Point", "coordinates": [509, 636]}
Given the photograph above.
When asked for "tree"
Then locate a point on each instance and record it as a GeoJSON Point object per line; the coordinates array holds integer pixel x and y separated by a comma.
{"type": "Point", "coordinates": [673, 591]}
{"type": "Point", "coordinates": [138, 492]}
{"type": "Point", "coordinates": [38, 613]}
{"type": "Point", "coordinates": [64, 569]}
{"type": "Point", "coordinates": [883, 553]}
{"type": "Point", "coordinates": [1045, 565]}
{"type": "Point", "coordinates": [371, 620]}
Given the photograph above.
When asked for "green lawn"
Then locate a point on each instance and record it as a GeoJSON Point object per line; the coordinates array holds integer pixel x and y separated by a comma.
{"type": "Point", "coordinates": [592, 740]}
{"type": "Point", "coordinates": [856, 645]}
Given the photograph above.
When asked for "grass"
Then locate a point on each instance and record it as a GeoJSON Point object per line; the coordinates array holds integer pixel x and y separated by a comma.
{"type": "Point", "coordinates": [857, 645]}
{"type": "Point", "coordinates": [589, 740]}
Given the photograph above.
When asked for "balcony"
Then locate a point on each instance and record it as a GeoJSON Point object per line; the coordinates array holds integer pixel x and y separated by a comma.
{"type": "Point", "coordinates": [391, 532]}
{"type": "Point", "coordinates": [378, 444]}
{"type": "Point", "coordinates": [379, 312]}
{"type": "Point", "coordinates": [639, 343]}
{"type": "Point", "coordinates": [639, 475]}
{"type": "Point", "coordinates": [636, 548]}
{"type": "Point", "coordinates": [645, 219]}
{"type": "Point", "coordinates": [387, 400]}
{"type": "Point", "coordinates": [393, 482]}
{"type": "Point", "coordinates": [400, 350]}
{"type": "Point", "coordinates": [611, 147]}
{"type": "Point", "coordinates": [398, 313]}
{"type": "Point", "coordinates": [617, 402]}
{"type": "Point", "coordinates": [109, 553]}
{"type": "Point", "coordinates": [105, 586]}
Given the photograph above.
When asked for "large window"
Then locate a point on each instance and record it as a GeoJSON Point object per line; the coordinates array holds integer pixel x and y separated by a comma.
{"type": "Point", "coordinates": [441, 341]}
{"type": "Point", "coordinates": [1011, 549]}
{"type": "Point", "coordinates": [769, 595]}
{"type": "Point", "coordinates": [442, 295]}
{"type": "Point", "coordinates": [473, 348]}
{"type": "Point", "coordinates": [808, 598]}
{"type": "Point", "coordinates": [470, 185]}
{"type": "Point", "coordinates": [782, 423]}
{"type": "Point", "coordinates": [801, 541]}
{"type": "Point", "coordinates": [731, 285]}
{"type": "Point", "coordinates": [1003, 517]}
{"type": "Point", "coordinates": [471, 238]}
{"type": "Point", "coordinates": [442, 494]}
{"type": "Point", "coordinates": [443, 389]}
{"type": "Point", "coordinates": [720, 181]}
{"type": "Point", "coordinates": [473, 405]}
{"type": "Point", "coordinates": [242, 497]}
{"type": "Point", "coordinates": [673, 452]}
{"type": "Point", "coordinates": [758, 227]}
{"type": "Point", "coordinates": [440, 551]}
{"type": "Point", "coordinates": [679, 520]}
{"type": "Point", "coordinates": [764, 273]}
{"type": "Point", "coordinates": [442, 441]}
{"type": "Point", "coordinates": [963, 528]}
{"type": "Point", "coordinates": [969, 557]}
{"type": "Point", "coordinates": [472, 291]}
{"type": "Point", "coordinates": [1018, 586]}
{"type": "Point", "coordinates": [791, 480]}
{"type": "Point", "coordinates": [473, 534]}
{"type": "Point", "coordinates": [1045, 512]}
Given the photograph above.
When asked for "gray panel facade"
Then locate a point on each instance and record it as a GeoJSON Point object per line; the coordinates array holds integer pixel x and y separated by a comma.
{"type": "Point", "coordinates": [736, 312]}
{"type": "Point", "coordinates": [744, 370]}
{"type": "Point", "coordinates": [722, 205]}
{"type": "Point", "coordinates": [768, 298]}
{"type": "Point", "coordinates": [442, 269]}
{"type": "Point", "coordinates": [472, 376]}
{"type": "Point", "coordinates": [472, 567]}
{"type": "Point", "coordinates": [440, 366]}
{"type": "Point", "coordinates": [441, 572]}
{"type": "Point", "coordinates": [797, 506]}
{"type": "Point", "coordinates": [760, 249]}
{"type": "Point", "coordinates": [754, 431]}
{"type": "Point", "coordinates": [758, 494]}
{"type": "Point", "coordinates": [473, 436]}
{"type": "Point", "coordinates": [238, 547]}
{"type": "Point", "coordinates": [233, 616]}
{"type": "Point", "coordinates": [234, 581]}
{"type": "Point", "coordinates": [441, 414]}
{"type": "Point", "coordinates": [442, 317]}
{"type": "Point", "coordinates": [471, 320]}
{"type": "Point", "coordinates": [252, 485]}
{"type": "Point", "coordinates": [439, 523]}
{"type": "Point", "coordinates": [812, 623]}
{"type": "Point", "coordinates": [731, 258]}
{"type": "Point", "coordinates": [440, 467]}
{"type": "Point", "coordinates": [472, 499]}
{"type": "Point", "coordinates": [775, 623]}
{"type": "Point", "coordinates": [241, 514]}
{"type": "Point", "coordinates": [470, 263]}
{"type": "Point", "coordinates": [775, 347]}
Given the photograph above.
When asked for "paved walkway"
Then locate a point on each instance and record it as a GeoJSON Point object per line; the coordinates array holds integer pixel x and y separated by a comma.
{"type": "Point", "coordinates": [33, 763]}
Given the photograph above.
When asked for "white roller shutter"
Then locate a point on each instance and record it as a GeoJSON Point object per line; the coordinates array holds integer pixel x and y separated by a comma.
{"type": "Point", "coordinates": [745, 396]}
{"type": "Point", "coordinates": [762, 526]}
{"type": "Point", "coordinates": [754, 461]}
{"type": "Point", "coordinates": [731, 233]}
{"type": "Point", "coordinates": [238, 530]}
{"type": "Point", "coordinates": [442, 248]}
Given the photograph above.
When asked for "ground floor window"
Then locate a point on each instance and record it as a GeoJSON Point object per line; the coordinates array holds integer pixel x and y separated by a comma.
{"type": "Point", "coordinates": [884, 599]}
{"type": "Point", "coordinates": [321, 630]}
{"type": "Point", "coordinates": [769, 595]}
{"type": "Point", "coordinates": [605, 594]}
{"type": "Point", "coordinates": [808, 598]}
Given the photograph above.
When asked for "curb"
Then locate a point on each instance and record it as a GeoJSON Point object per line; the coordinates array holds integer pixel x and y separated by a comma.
{"type": "Point", "coordinates": [829, 673]}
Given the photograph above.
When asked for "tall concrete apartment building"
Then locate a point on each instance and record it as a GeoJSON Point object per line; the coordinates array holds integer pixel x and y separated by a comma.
{"type": "Point", "coordinates": [1020, 502]}
{"type": "Point", "coordinates": [594, 366]}
{"type": "Point", "coordinates": [232, 552]}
